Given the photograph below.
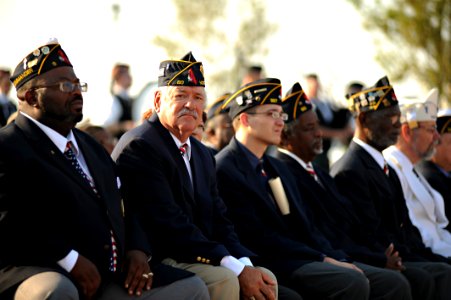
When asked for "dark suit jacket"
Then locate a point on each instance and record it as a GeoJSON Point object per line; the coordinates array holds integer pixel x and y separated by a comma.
{"type": "Point", "coordinates": [184, 224]}
{"type": "Point", "coordinates": [6, 110]}
{"type": "Point", "coordinates": [334, 214]}
{"type": "Point", "coordinates": [283, 243]}
{"type": "Point", "coordinates": [46, 207]}
{"type": "Point", "coordinates": [379, 203]}
{"type": "Point", "coordinates": [439, 182]}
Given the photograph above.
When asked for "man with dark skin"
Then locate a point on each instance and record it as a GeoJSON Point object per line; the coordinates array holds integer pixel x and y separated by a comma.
{"type": "Point", "coordinates": [373, 188]}
{"type": "Point", "coordinates": [71, 243]}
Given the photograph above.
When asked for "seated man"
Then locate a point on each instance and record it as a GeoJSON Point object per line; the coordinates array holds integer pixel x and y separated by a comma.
{"type": "Point", "coordinates": [373, 188]}
{"type": "Point", "coordinates": [437, 170]}
{"type": "Point", "coordinates": [270, 217]}
{"type": "Point", "coordinates": [416, 142]}
{"type": "Point", "coordinates": [169, 180]}
{"type": "Point", "coordinates": [61, 224]}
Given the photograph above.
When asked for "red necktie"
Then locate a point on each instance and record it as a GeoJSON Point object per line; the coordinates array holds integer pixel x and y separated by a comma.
{"type": "Point", "coordinates": [386, 171]}
{"type": "Point", "coordinates": [183, 148]}
{"type": "Point", "coordinates": [311, 171]}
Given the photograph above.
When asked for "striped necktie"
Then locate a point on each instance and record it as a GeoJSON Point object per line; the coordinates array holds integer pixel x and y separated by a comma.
{"type": "Point", "coordinates": [183, 149]}
{"type": "Point", "coordinates": [311, 171]}
{"type": "Point", "coordinates": [386, 170]}
{"type": "Point", "coordinates": [69, 153]}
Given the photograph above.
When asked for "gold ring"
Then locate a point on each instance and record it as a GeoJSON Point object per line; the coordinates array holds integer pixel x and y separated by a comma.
{"type": "Point", "coordinates": [150, 274]}
{"type": "Point", "coordinates": [251, 298]}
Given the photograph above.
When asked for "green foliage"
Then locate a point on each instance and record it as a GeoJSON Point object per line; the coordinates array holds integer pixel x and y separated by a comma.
{"type": "Point", "coordinates": [234, 37]}
{"type": "Point", "coordinates": [420, 33]}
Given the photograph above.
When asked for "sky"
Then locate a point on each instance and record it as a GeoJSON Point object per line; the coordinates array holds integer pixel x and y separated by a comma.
{"type": "Point", "coordinates": [325, 37]}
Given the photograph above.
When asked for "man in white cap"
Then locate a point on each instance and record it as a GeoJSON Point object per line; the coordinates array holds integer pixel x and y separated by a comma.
{"type": "Point", "coordinates": [437, 170]}
{"type": "Point", "coordinates": [416, 142]}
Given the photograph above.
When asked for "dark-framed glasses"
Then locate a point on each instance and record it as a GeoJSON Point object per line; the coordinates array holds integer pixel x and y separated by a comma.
{"type": "Point", "coordinates": [66, 86]}
{"type": "Point", "coordinates": [273, 114]}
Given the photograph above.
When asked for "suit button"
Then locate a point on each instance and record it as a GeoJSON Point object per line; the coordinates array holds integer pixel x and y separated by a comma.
{"type": "Point", "coordinates": [203, 260]}
{"type": "Point", "coordinates": [199, 258]}
{"type": "Point", "coordinates": [106, 247]}
{"type": "Point", "coordinates": [401, 225]}
{"type": "Point", "coordinates": [207, 261]}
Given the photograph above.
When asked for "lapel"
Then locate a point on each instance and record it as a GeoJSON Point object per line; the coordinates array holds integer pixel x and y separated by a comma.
{"type": "Point", "coordinates": [48, 151]}
{"type": "Point", "coordinates": [173, 154]}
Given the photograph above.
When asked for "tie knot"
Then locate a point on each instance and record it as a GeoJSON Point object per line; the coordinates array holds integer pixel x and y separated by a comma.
{"type": "Point", "coordinates": [386, 171]}
{"type": "Point", "coordinates": [183, 148]}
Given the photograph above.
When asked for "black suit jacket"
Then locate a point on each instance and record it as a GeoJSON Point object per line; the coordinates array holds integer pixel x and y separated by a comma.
{"type": "Point", "coordinates": [283, 243]}
{"type": "Point", "coordinates": [334, 214]}
{"type": "Point", "coordinates": [439, 182]}
{"type": "Point", "coordinates": [47, 209]}
{"type": "Point", "coordinates": [185, 223]}
{"type": "Point", "coordinates": [379, 203]}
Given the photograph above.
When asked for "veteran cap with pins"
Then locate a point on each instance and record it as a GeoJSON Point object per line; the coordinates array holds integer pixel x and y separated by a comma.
{"type": "Point", "coordinates": [295, 102]}
{"type": "Point", "coordinates": [43, 59]}
{"type": "Point", "coordinates": [259, 92]}
{"type": "Point", "coordinates": [419, 110]}
{"type": "Point", "coordinates": [184, 72]}
{"type": "Point", "coordinates": [377, 97]}
{"type": "Point", "coordinates": [444, 121]}
{"type": "Point", "coordinates": [215, 108]}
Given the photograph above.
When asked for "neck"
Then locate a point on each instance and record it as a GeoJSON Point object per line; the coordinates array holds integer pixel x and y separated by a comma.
{"type": "Point", "coordinates": [407, 151]}
{"type": "Point", "coordinates": [258, 149]}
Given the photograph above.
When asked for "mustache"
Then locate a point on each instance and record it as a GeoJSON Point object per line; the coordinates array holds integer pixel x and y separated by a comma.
{"type": "Point", "coordinates": [186, 112]}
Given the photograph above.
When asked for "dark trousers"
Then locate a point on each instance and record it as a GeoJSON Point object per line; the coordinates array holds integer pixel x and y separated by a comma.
{"type": "Point", "coordinates": [429, 280]}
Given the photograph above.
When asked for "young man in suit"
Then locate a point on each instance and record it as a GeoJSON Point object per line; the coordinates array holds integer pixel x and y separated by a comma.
{"type": "Point", "coordinates": [437, 170]}
{"type": "Point", "coordinates": [169, 179]}
{"type": "Point", "coordinates": [62, 228]}
{"type": "Point", "coordinates": [279, 229]}
{"type": "Point", "coordinates": [372, 186]}
{"type": "Point", "coordinates": [416, 142]}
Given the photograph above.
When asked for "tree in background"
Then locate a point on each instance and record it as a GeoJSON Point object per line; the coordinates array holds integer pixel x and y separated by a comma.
{"type": "Point", "coordinates": [230, 36]}
{"type": "Point", "coordinates": [420, 32]}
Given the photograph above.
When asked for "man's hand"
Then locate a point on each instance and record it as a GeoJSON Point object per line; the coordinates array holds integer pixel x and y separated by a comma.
{"type": "Point", "coordinates": [394, 261]}
{"type": "Point", "coordinates": [256, 285]}
{"type": "Point", "coordinates": [342, 264]}
{"type": "Point", "coordinates": [138, 272]}
{"type": "Point", "coordinates": [87, 276]}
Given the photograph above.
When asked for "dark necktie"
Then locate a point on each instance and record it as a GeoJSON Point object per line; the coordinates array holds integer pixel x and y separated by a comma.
{"type": "Point", "coordinates": [70, 155]}
{"type": "Point", "coordinates": [386, 171]}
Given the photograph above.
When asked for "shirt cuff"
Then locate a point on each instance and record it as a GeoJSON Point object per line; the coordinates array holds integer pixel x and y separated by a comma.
{"type": "Point", "coordinates": [68, 262]}
{"type": "Point", "coordinates": [246, 261]}
{"type": "Point", "coordinates": [232, 264]}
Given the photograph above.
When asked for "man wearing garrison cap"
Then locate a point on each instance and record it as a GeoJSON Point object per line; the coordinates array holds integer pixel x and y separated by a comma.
{"type": "Point", "coordinates": [265, 205]}
{"type": "Point", "coordinates": [437, 170]}
{"type": "Point", "coordinates": [417, 142]}
{"type": "Point", "coordinates": [169, 179]}
{"type": "Point", "coordinates": [373, 188]}
{"type": "Point", "coordinates": [61, 224]}
{"type": "Point", "coordinates": [218, 128]}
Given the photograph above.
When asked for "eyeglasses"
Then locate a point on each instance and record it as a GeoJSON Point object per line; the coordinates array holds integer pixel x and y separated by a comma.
{"type": "Point", "coordinates": [273, 114]}
{"type": "Point", "coordinates": [429, 129]}
{"type": "Point", "coordinates": [66, 86]}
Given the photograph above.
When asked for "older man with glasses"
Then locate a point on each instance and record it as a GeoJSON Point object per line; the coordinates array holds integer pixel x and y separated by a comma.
{"type": "Point", "coordinates": [416, 142]}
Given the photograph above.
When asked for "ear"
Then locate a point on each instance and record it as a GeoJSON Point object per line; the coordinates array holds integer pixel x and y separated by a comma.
{"type": "Point", "coordinates": [157, 101]}
{"type": "Point", "coordinates": [244, 118]}
{"type": "Point", "coordinates": [31, 98]}
{"type": "Point", "coordinates": [362, 119]}
{"type": "Point", "coordinates": [406, 132]}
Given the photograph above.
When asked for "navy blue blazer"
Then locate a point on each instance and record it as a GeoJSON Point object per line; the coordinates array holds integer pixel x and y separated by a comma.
{"type": "Point", "coordinates": [47, 209]}
{"type": "Point", "coordinates": [439, 181]}
{"type": "Point", "coordinates": [283, 243]}
{"type": "Point", "coordinates": [334, 214]}
{"type": "Point", "coordinates": [379, 203]}
{"type": "Point", "coordinates": [184, 222]}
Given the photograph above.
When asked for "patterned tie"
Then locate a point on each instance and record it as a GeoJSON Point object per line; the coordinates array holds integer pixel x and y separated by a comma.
{"type": "Point", "coordinates": [70, 155]}
{"type": "Point", "coordinates": [311, 171]}
{"type": "Point", "coordinates": [386, 171]}
{"type": "Point", "coordinates": [183, 148]}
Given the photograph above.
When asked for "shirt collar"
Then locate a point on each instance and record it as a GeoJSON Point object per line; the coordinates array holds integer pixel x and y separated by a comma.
{"type": "Point", "coordinates": [254, 160]}
{"type": "Point", "coordinates": [179, 144]}
{"type": "Point", "coordinates": [375, 154]}
{"type": "Point", "coordinates": [59, 140]}
{"type": "Point", "coordinates": [293, 156]}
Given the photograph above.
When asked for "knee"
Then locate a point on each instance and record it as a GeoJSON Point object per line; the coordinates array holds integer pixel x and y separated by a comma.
{"type": "Point", "coordinates": [47, 285]}
{"type": "Point", "coordinates": [357, 281]}
{"type": "Point", "coordinates": [198, 289]}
